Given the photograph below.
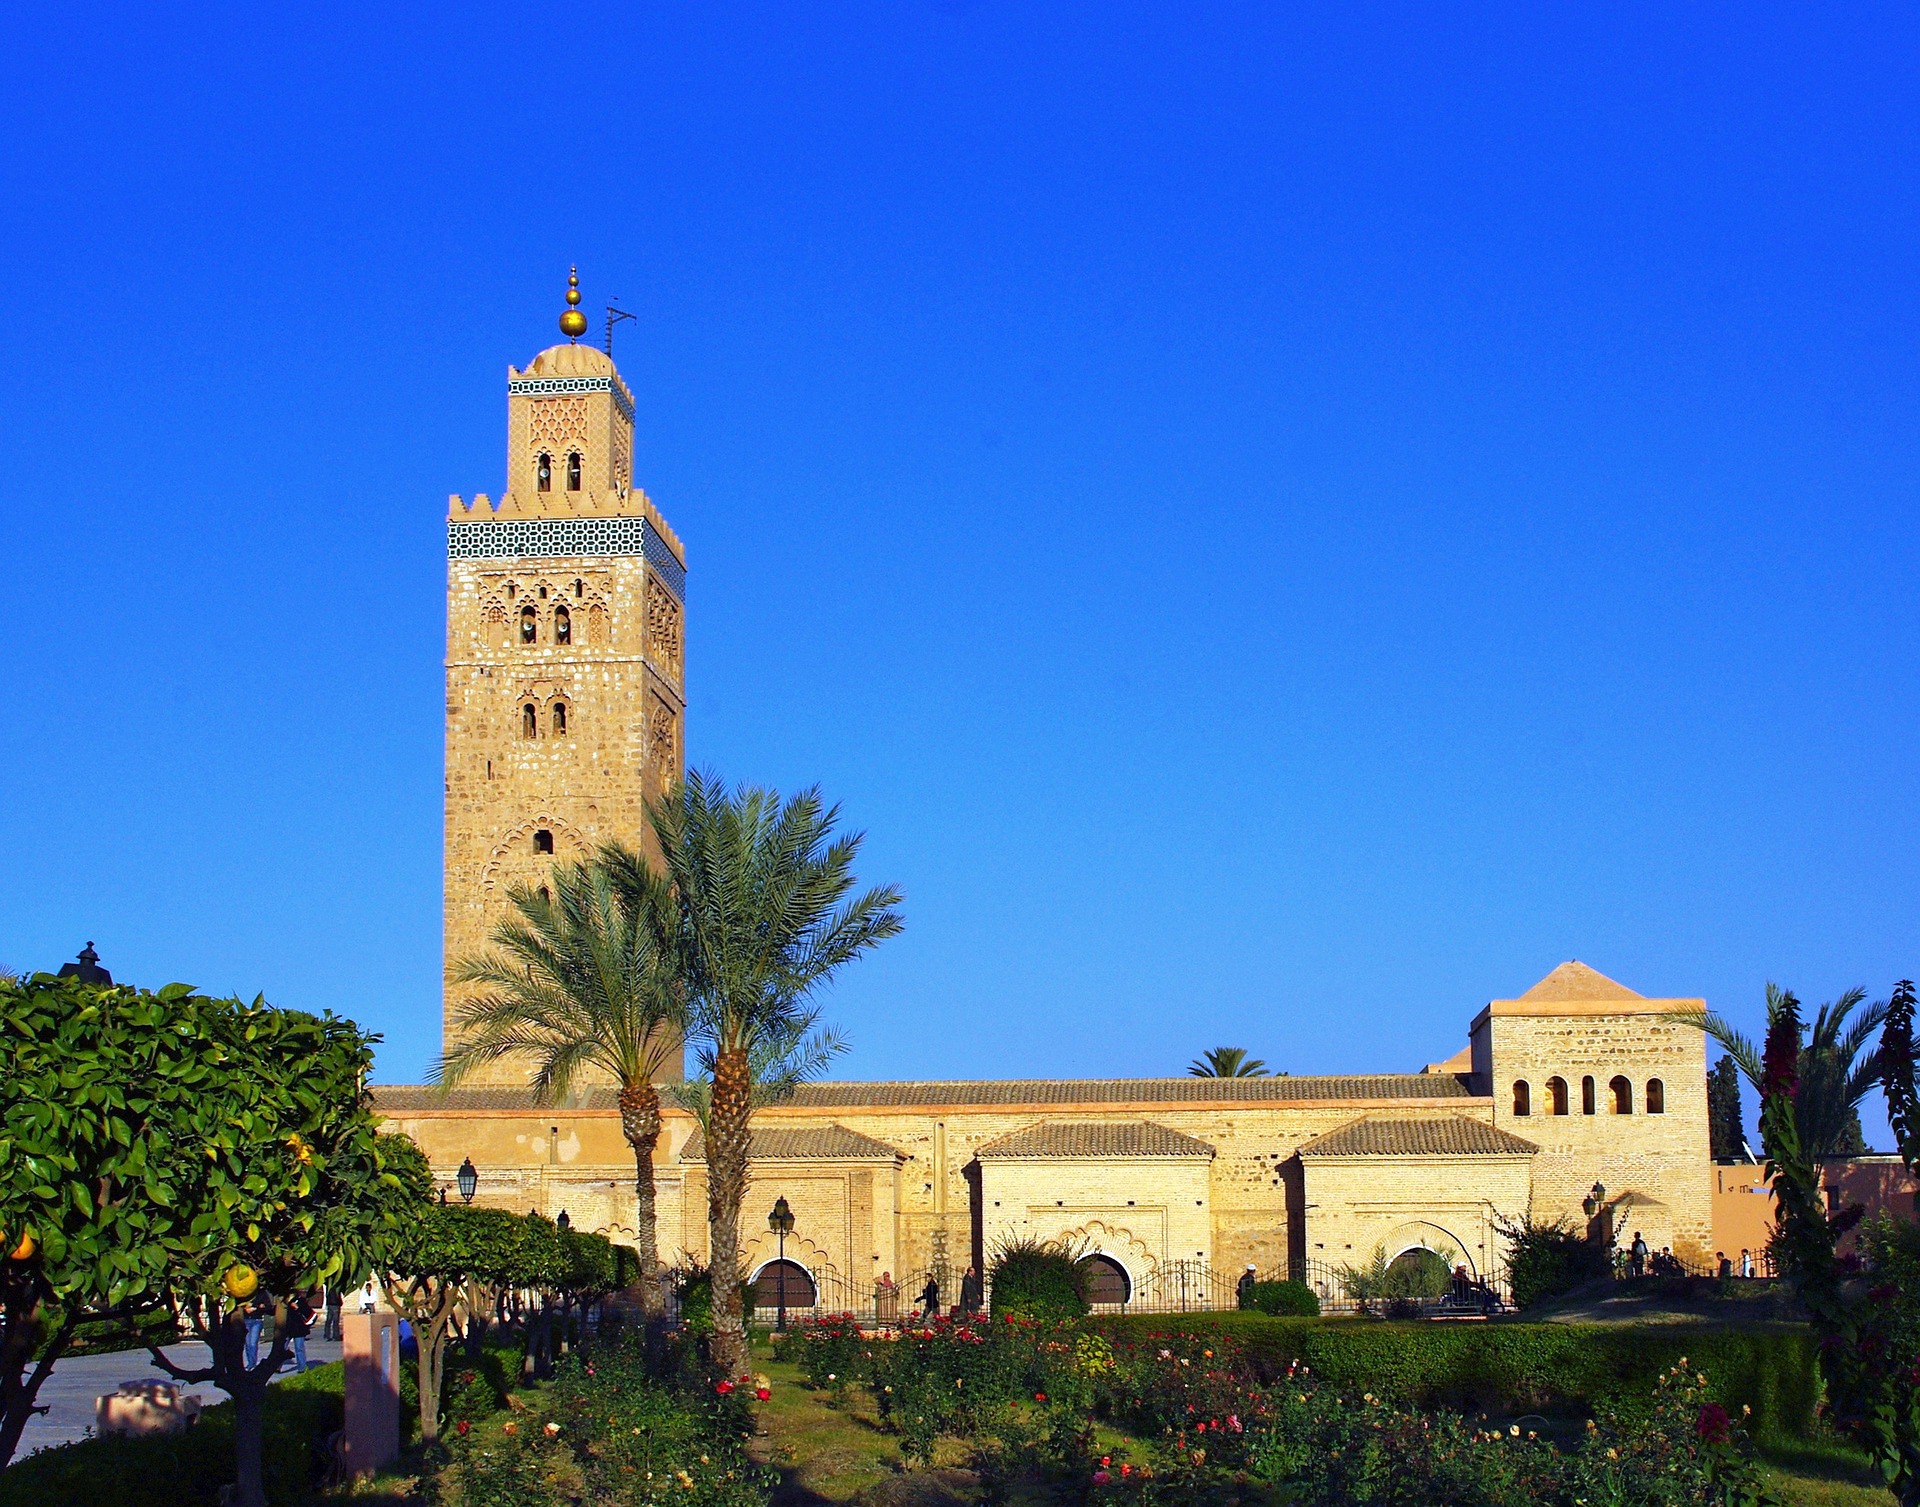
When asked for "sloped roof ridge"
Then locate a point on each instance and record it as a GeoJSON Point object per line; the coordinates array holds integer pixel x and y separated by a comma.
{"type": "Point", "coordinates": [1094, 1139]}
{"type": "Point", "coordinates": [1573, 979]}
{"type": "Point", "coordinates": [777, 1143]}
{"type": "Point", "coordinates": [1438, 1135]}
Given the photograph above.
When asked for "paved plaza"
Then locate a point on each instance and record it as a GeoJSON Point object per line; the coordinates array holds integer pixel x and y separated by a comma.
{"type": "Point", "coordinates": [78, 1381]}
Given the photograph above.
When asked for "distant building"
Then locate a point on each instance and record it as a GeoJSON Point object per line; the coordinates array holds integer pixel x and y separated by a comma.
{"type": "Point", "coordinates": [566, 696]}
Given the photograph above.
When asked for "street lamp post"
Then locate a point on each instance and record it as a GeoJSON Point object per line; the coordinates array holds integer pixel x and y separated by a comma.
{"type": "Point", "coordinates": [468, 1177]}
{"type": "Point", "coordinates": [780, 1221]}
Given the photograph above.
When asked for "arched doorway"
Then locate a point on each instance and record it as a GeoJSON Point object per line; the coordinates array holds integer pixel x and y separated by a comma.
{"type": "Point", "coordinates": [1419, 1273]}
{"type": "Point", "coordinates": [788, 1277]}
{"type": "Point", "coordinates": [1107, 1280]}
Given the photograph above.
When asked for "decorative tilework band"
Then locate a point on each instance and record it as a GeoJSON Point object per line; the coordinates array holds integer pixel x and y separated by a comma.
{"type": "Point", "coordinates": [526, 538]}
{"type": "Point", "coordinates": [553, 387]}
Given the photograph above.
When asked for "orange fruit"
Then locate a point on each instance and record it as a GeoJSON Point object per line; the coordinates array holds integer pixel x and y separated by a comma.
{"type": "Point", "coordinates": [241, 1282]}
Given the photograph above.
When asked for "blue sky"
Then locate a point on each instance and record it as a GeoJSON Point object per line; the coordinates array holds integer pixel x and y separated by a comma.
{"type": "Point", "coordinates": [1281, 525]}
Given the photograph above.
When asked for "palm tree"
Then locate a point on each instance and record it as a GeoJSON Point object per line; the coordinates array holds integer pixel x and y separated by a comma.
{"type": "Point", "coordinates": [762, 886]}
{"type": "Point", "coordinates": [584, 979]}
{"type": "Point", "coordinates": [1834, 1075]}
{"type": "Point", "coordinates": [1227, 1062]}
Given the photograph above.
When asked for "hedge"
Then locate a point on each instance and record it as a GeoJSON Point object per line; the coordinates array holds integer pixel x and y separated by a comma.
{"type": "Point", "coordinates": [1517, 1368]}
{"type": "Point", "coordinates": [188, 1469]}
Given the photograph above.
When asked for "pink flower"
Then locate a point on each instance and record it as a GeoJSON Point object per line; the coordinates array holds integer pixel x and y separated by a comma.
{"type": "Point", "coordinates": [1102, 1477]}
{"type": "Point", "coordinates": [1713, 1425]}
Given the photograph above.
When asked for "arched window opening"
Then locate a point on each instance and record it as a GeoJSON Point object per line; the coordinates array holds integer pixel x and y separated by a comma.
{"type": "Point", "coordinates": [529, 625]}
{"type": "Point", "coordinates": [1107, 1280]}
{"type": "Point", "coordinates": [783, 1284]}
{"type": "Point", "coordinates": [1557, 1095]}
{"type": "Point", "coordinates": [543, 472]}
{"type": "Point", "coordinates": [543, 841]}
{"type": "Point", "coordinates": [579, 588]}
{"type": "Point", "coordinates": [1656, 1097]}
{"type": "Point", "coordinates": [511, 589]}
{"type": "Point", "coordinates": [1622, 1096]}
{"type": "Point", "coordinates": [543, 593]}
{"type": "Point", "coordinates": [1586, 1095]}
{"type": "Point", "coordinates": [529, 721]}
{"type": "Point", "coordinates": [562, 626]}
{"type": "Point", "coordinates": [560, 719]}
{"type": "Point", "coordinates": [1522, 1098]}
{"type": "Point", "coordinates": [573, 470]}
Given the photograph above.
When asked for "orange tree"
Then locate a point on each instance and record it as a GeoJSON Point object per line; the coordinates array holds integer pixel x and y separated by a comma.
{"type": "Point", "coordinates": [438, 1259]}
{"type": "Point", "coordinates": [173, 1151]}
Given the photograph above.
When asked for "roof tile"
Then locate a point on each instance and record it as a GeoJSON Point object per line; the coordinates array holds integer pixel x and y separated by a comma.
{"type": "Point", "coordinates": [1066, 1139]}
{"type": "Point", "coordinates": [1447, 1135]}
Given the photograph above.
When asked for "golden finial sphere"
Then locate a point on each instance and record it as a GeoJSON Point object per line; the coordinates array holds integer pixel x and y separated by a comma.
{"type": "Point", "coordinates": [573, 324]}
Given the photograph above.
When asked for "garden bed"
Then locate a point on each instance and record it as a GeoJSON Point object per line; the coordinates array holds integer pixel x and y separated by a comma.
{"type": "Point", "coordinates": [1516, 1367]}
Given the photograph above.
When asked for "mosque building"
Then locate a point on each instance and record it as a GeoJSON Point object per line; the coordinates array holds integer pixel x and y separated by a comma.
{"type": "Point", "coordinates": [566, 704]}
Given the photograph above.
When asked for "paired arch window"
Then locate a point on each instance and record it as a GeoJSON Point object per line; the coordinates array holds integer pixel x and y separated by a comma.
{"type": "Point", "coordinates": [1656, 1097]}
{"type": "Point", "coordinates": [562, 626]}
{"type": "Point", "coordinates": [573, 470]}
{"type": "Point", "coordinates": [1622, 1089]}
{"type": "Point", "coordinates": [529, 625]}
{"type": "Point", "coordinates": [543, 841]}
{"type": "Point", "coordinates": [559, 719]}
{"type": "Point", "coordinates": [529, 721]}
{"type": "Point", "coordinates": [1586, 1095]}
{"type": "Point", "coordinates": [1557, 1095]}
{"type": "Point", "coordinates": [543, 472]}
{"type": "Point", "coordinates": [1522, 1098]}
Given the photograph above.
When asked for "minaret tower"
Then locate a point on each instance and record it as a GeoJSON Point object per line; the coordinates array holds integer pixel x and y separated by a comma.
{"type": "Point", "coordinates": [566, 647]}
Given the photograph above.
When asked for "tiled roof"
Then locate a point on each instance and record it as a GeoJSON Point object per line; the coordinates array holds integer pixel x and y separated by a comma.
{"type": "Point", "coordinates": [1447, 1135]}
{"type": "Point", "coordinates": [1131, 1090]}
{"type": "Point", "coordinates": [833, 1143]}
{"type": "Point", "coordinates": [1074, 1138]}
{"type": "Point", "coordinates": [401, 1099]}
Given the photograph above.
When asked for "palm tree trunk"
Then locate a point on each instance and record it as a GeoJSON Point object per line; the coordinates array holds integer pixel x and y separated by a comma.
{"type": "Point", "coordinates": [727, 1131]}
{"type": "Point", "coordinates": [640, 1123]}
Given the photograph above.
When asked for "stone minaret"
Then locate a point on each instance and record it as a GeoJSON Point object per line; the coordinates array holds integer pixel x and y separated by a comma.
{"type": "Point", "coordinates": [566, 646]}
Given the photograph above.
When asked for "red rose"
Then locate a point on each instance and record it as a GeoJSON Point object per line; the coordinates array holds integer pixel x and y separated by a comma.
{"type": "Point", "coordinates": [763, 1393]}
{"type": "Point", "coordinates": [723, 1387]}
{"type": "Point", "coordinates": [1713, 1425]}
{"type": "Point", "coordinates": [460, 1427]}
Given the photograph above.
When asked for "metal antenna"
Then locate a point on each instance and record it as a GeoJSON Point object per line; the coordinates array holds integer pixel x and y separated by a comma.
{"type": "Point", "coordinates": [614, 316]}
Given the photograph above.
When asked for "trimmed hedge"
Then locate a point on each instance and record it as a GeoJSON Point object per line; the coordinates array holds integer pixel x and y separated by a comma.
{"type": "Point", "coordinates": [188, 1469]}
{"type": "Point", "coordinates": [1511, 1368]}
{"type": "Point", "coordinates": [1295, 1299]}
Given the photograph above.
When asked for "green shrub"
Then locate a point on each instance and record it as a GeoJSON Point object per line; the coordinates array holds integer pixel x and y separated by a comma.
{"type": "Point", "coordinates": [1038, 1279]}
{"type": "Point", "coordinates": [1545, 1260]}
{"type": "Point", "coordinates": [607, 1432]}
{"type": "Point", "coordinates": [1512, 1368]}
{"type": "Point", "coordinates": [1294, 1299]}
{"type": "Point", "coordinates": [188, 1469]}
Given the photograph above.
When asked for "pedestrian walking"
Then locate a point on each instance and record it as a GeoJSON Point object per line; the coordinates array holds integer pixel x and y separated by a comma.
{"type": "Point", "coordinates": [970, 1291]}
{"type": "Point", "coordinates": [1637, 1257]}
{"type": "Point", "coordinates": [930, 1297]}
{"type": "Point", "coordinates": [1725, 1264]}
{"type": "Point", "coordinates": [1746, 1263]}
{"type": "Point", "coordinates": [334, 1298]}
{"type": "Point", "coordinates": [250, 1347]}
{"type": "Point", "coordinates": [1243, 1289]}
{"type": "Point", "coordinates": [299, 1326]}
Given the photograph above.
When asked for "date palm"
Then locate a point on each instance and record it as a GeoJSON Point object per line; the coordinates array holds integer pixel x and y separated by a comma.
{"type": "Point", "coordinates": [1837, 1066]}
{"type": "Point", "coordinates": [765, 918]}
{"type": "Point", "coordinates": [583, 979]}
{"type": "Point", "coordinates": [1227, 1062]}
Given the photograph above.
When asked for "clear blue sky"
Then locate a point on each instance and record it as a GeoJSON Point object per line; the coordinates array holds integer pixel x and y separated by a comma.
{"type": "Point", "coordinates": [1282, 527]}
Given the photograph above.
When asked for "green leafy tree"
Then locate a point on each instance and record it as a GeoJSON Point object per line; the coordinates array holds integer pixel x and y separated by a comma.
{"type": "Point", "coordinates": [584, 978]}
{"type": "Point", "coordinates": [765, 919]}
{"type": "Point", "coordinates": [434, 1267]}
{"type": "Point", "coordinates": [1227, 1062]}
{"type": "Point", "coordinates": [169, 1150]}
{"type": "Point", "coordinates": [1836, 1071]}
{"type": "Point", "coordinates": [1867, 1357]}
{"type": "Point", "coordinates": [1726, 1116]}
